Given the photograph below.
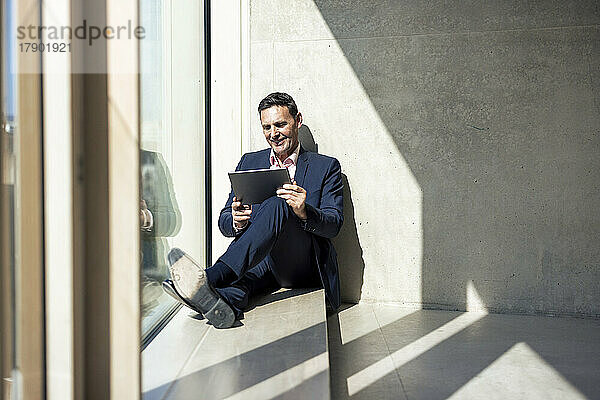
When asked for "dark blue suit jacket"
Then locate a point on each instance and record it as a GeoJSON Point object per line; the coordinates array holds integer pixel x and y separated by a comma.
{"type": "Point", "coordinates": [321, 177]}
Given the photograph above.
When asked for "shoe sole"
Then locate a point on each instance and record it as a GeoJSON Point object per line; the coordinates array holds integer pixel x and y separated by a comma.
{"type": "Point", "coordinates": [190, 283]}
{"type": "Point", "coordinates": [169, 288]}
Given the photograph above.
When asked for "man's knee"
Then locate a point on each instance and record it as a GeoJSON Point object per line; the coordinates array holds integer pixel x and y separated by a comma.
{"type": "Point", "coordinates": [276, 203]}
{"type": "Point", "coordinates": [273, 208]}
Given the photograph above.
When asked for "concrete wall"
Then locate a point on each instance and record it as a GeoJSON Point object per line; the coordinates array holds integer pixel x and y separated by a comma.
{"type": "Point", "coordinates": [469, 135]}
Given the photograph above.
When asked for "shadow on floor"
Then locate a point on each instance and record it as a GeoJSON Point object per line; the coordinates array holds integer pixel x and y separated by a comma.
{"type": "Point", "coordinates": [569, 346]}
{"type": "Point", "coordinates": [235, 374]}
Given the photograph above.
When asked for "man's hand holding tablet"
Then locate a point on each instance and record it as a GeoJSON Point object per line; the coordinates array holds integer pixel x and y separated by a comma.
{"type": "Point", "coordinates": [295, 196]}
{"type": "Point", "coordinates": [241, 214]}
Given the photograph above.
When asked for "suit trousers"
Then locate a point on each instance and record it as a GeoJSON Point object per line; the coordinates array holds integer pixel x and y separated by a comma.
{"type": "Point", "coordinates": [273, 252]}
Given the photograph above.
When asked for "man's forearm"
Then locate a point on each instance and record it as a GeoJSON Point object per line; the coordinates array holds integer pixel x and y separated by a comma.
{"type": "Point", "coordinates": [325, 223]}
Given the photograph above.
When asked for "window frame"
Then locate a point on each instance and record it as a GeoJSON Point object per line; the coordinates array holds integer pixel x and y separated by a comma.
{"type": "Point", "coordinates": [101, 343]}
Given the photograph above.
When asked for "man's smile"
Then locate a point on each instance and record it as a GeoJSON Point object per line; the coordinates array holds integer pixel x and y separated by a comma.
{"type": "Point", "coordinates": [279, 141]}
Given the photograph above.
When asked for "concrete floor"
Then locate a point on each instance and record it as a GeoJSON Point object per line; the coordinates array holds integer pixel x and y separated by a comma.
{"type": "Point", "coordinates": [278, 350]}
{"type": "Point", "coordinates": [387, 352]}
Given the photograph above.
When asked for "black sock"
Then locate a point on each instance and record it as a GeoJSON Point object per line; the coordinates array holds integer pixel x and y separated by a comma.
{"type": "Point", "coordinates": [220, 275]}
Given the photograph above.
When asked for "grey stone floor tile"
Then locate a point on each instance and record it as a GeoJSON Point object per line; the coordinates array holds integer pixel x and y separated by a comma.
{"type": "Point", "coordinates": [278, 350]}
{"type": "Point", "coordinates": [440, 355]}
{"type": "Point", "coordinates": [355, 343]}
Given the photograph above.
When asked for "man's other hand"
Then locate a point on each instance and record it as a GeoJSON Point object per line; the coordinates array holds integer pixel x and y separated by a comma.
{"type": "Point", "coordinates": [241, 214]}
{"type": "Point", "coordinates": [146, 219]}
{"type": "Point", "coordinates": [143, 208]}
{"type": "Point", "coordinates": [295, 196]}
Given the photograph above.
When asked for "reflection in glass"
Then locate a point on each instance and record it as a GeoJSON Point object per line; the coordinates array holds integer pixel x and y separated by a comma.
{"type": "Point", "coordinates": [159, 214]}
{"type": "Point", "coordinates": [172, 147]}
{"type": "Point", "coordinates": [163, 221]}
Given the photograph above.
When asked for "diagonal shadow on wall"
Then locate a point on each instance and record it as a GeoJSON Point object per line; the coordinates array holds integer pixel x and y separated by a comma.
{"type": "Point", "coordinates": [495, 109]}
{"type": "Point", "coordinates": [497, 118]}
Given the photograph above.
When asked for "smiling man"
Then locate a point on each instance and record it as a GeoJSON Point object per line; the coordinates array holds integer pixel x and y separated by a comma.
{"type": "Point", "coordinates": [282, 242]}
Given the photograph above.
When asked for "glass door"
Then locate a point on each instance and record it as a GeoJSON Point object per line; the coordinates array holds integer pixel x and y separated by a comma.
{"type": "Point", "coordinates": [8, 176]}
{"type": "Point", "coordinates": [172, 153]}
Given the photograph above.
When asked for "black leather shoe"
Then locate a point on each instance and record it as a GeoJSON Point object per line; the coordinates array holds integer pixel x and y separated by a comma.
{"type": "Point", "coordinates": [191, 286]}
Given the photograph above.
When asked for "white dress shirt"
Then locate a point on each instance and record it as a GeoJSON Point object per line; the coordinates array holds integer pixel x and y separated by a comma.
{"type": "Point", "coordinates": [289, 163]}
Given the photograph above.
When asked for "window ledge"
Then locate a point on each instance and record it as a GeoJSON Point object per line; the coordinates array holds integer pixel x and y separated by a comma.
{"type": "Point", "coordinates": [280, 347]}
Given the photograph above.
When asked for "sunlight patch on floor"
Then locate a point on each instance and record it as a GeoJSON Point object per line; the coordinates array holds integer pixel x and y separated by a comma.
{"type": "Point", "coordinates": [520, 373]}
{"type": "Point", "coordinates": [397, 359]}
{"type": "Point", "coordinates": [285, 381]}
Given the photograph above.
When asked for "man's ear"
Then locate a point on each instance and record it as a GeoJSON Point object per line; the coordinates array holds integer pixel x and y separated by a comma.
{"type": "Point", "coordinates": [299, 120]}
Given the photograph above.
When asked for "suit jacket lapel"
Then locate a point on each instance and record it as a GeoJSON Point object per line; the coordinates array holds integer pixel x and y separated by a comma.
{"type": "Point", "coordinates": [301, 167]}
{"type": "Point", "coordinates": [266, 162]}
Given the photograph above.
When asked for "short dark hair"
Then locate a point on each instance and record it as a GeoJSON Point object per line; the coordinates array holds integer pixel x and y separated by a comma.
{"type": "Point", "coordinates": [279, 99]}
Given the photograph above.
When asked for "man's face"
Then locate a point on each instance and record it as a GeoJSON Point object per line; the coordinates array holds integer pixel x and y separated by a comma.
{"type": "Point", "coordinates": [281, 130]}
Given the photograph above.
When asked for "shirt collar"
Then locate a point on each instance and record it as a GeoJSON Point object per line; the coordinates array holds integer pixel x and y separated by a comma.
{"type": "Point", "coordinates": [291, 160]}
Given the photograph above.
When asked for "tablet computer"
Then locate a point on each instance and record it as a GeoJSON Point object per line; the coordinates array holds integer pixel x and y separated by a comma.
{"type": "Point", "coordinates": [255, 186]}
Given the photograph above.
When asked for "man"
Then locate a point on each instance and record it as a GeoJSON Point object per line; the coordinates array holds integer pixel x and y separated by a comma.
{"type": "Point", "coordinates": [284, 241]}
